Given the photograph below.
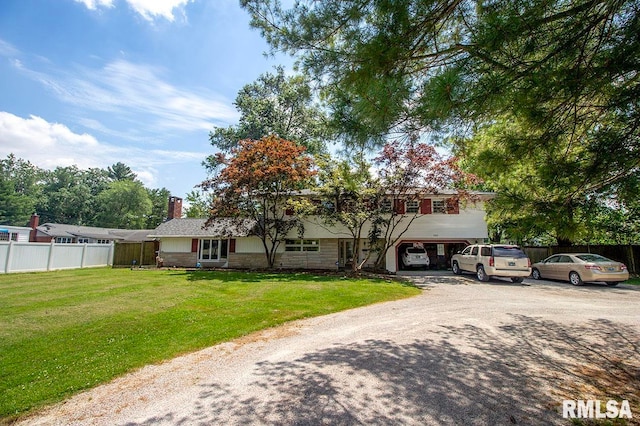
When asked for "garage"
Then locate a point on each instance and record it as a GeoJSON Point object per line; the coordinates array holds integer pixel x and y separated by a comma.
{"type": "Point", "coordinates": [439, 252]}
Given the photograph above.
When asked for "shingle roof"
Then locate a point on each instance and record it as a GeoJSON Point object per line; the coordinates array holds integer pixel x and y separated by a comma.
{"type": "Point", "coordinates": [195, 228]}
{"type": "Point", "coordinates": [62, 230]}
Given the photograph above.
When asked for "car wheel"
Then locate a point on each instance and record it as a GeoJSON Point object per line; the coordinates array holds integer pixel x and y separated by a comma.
{"type": "Point", "coordinates": [481, 274]}
{"type": "Point", "coordinates": [517, 279]}
{"type": "Point", "coordinates": [536, 274]}
{"type": "Point", "coordinates": [574, 278]}
{"type": "Point", "coordinates": [456, 268]}
{"type": "Point", "coordinates": [613, 284]}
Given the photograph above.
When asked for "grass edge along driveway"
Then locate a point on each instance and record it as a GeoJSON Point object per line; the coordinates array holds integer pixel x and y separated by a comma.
{"type": "Point", "coordinates": [66, 331]}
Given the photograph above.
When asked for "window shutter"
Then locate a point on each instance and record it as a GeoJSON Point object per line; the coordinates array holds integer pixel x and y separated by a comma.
{"type": "Point", "coordinates": [232, 245]}
{"type": "Point", "coordinates": [194, 245]}
{"type": "Point", "coordinates": [398, 206]}
{"type": "Point", "coordinates": [425, 206]}
{"type": "Point", "coordinates": [288, 212]}
{"type": "Point", "coordinates": [453, 207]}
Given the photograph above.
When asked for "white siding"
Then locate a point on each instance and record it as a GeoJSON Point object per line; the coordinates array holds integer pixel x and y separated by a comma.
{"type": "Point", "coordinates": [175, 245]}
{"type": "Point", "coordinates": [249, 245]}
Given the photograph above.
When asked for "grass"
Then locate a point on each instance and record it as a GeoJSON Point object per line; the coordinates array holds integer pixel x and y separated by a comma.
{"type": "Point", "coordinates": [633, 280]}
{"type": "Point", "coordinates": [62, 332]}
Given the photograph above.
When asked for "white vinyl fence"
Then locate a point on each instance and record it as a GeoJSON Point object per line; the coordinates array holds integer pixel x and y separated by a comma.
{"type": "Point", "coordinates": [29, 257]}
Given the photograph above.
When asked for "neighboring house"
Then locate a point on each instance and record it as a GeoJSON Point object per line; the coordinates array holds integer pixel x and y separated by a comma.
{"type": "Point", "coordinates": [14, 233]}
{"type": "Point", "coordinates": [76, 234]}
{"type": "Point", "coordinates": [442, 226]}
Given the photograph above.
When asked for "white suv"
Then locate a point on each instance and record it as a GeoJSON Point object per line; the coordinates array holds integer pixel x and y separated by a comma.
{"type": "Point", "coordinates": [488, 261]}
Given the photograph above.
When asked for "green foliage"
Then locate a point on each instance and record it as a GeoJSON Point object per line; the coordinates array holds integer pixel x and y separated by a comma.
{"type": "Point", "coordinates": [120, 171]}
{"type": "Point", "coordinates": [19, 191]}
{"type": "Point", "coordinates": [69, 195]}
{"type": "Point", "coordinates": [279, 105]}
{"type": "Point", "coordinates": [124, 204]}
{"type": "Point", "coordinates": [159, 207]}
{"type": "Point", "coordinates": [198, 204]}
{"type": "Point", "coordinates": [554, 82]}
{"type": "Point", "coordinates": [62, 332]}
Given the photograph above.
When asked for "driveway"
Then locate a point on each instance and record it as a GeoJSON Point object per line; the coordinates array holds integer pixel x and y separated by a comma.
{"type": "Point", "coordinates": [461, 353]}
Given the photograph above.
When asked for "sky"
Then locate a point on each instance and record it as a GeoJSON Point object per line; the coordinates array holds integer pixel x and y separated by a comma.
{"type": "Point", "coordinates": [143, 82]}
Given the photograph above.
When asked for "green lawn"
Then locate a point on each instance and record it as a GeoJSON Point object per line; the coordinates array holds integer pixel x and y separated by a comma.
{"type": "Point", "coordinates": [61, 332]}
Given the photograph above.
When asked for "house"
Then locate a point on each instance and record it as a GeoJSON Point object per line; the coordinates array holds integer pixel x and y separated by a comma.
{"type": "Point", "coordinates": [77, 234]}
{"type": "Point", "coordinates": [14, 233]}
{"type": "Point", "coordinates": [441, 225]}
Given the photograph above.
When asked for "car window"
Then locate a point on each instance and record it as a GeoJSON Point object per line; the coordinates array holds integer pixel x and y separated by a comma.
{"type": "Point", "coordinates": [593, 258]}
{"type": "Point", "coordinates": [485, 251]}
{"type": "Point", "coordinates": [467, 250]}
{"type": "Point", "coordinates": [474, 250]}
{"type": "Point", "coordinates": [417, 250]}
{"type": "Point", "coordinates": [508, 251]}
{"type": "Point", "coordinates": [565, 259]}
{"type": "Point", "coordinates": [552, 259]}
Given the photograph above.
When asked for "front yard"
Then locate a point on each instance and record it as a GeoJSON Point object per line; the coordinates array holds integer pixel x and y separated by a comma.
{"type": "Point", "coordinates": [62, 332]}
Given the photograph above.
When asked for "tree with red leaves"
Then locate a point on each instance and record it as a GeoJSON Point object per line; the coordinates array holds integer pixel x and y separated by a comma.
{"type": "Point", "coordinates": [256, 185]}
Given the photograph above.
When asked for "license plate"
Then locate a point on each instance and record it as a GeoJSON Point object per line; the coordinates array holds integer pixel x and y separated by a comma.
{"type": "Point", "coordinates": [512, 263]}
{"type": "Point", "coordinates": [611, 269]}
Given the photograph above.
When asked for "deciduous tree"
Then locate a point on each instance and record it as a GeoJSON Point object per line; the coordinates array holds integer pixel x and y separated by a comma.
{"type": "Point", "coordinates": [280, 105]}
{"type": "Point", "coordinates": [258, 182]}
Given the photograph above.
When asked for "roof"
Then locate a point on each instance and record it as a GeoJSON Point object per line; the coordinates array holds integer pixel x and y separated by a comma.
{"type": "Point", "coordinates": [75, 231]}
{"type": "Point", "coordinates": [191, 227]}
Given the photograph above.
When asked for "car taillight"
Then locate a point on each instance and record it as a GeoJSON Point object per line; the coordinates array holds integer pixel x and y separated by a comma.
{"type": "Point", "coordinates": [492, 261]}
{"type": "Point", "coordinates": [594, 267]}
{"type": "Point", "coordinates": [623, 267]}
{"type": "Point", "coordinates": [528, 262]}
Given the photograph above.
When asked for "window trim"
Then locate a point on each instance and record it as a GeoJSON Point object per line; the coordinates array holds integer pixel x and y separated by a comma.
{"type": "Point", "coordinates": [220, 244]}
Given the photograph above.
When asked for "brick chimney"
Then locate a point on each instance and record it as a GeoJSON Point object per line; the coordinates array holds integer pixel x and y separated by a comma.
{"type": "Point", "coordinates": [175, 208]}
{"type": "Point", "coordinates": [33, 224]}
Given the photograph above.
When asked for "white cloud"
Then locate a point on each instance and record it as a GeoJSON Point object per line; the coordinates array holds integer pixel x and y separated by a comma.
{"type": "Point", "coordinates": [49, 145]}
{"type": "Point", "coordinates": [128, 91]}
{"type": "Point", "coordinates": [94, 4]}
{"type": "Point", "coordinates": [7, 49]}
{"type": "Point", "coordinates": [148, 9]}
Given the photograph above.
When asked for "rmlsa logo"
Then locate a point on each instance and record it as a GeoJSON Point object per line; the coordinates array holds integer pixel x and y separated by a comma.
{"type": "Point", "coordinates": [591, 409]}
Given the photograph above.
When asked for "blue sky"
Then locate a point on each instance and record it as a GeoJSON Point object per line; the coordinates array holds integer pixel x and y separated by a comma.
{"type": "Point", "coordinates": [94, 82]}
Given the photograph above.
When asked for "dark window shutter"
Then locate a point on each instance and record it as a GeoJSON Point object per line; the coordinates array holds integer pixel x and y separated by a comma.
{"type": "Point", "coordinates": [425, 206]}
{"type": "Point", "coordinates": [232, 245]}
{"type": "Point", "coordinates": [453, 207]}
{"type": "Point", "coordinates": [398, 206]}
{"type": "Point", "coordinates": [194, 245]}
{"type": "Point", "coordinates": [288, 212]}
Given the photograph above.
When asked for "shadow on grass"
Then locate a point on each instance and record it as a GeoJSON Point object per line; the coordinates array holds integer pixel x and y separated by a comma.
{"type": "Point", "coordinates": [518, 373]}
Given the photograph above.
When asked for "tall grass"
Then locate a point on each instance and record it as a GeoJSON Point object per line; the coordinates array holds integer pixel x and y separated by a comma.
{"type": "Point", "coordinates": [62, 332]}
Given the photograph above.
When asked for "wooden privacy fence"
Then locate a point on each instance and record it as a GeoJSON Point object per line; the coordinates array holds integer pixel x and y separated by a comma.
{"type": "Point", "coordinates": [143, 253]}
{"type": "Point", "coordinates": [31, 257]}
{"type": "Point", "coordinates": [627, 254]}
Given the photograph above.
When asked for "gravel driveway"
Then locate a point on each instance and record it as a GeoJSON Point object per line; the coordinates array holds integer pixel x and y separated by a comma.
{"type": "Point", "coordinates": [462, 352]}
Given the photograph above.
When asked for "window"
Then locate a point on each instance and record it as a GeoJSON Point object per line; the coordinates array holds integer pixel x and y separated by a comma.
{"type": "Point", "coordinates": [508, 251]}
{"type": "Point", "coordinates": [474, 251]}
{"type": "Point", "coordinates": [302, 245]}
{"type": "Point", "coordinates": [413, 206]}
{"type": "Point", "coordinates": [485, 251]}
{"type": "Point", "coordinates": [83, 240]}
{"type": "Point", "coordinates": [439, 206]}
{"type": "Point", "coordinates": [103, 241]}
{"type": "Point", "coordinates": [8, 236]}
{"type": "Point", "coordinates": [386, 205]}
{"type": "Point", "coordinates": [213, 249]}
{"type": "Point", "coordinates": [64, 240]}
